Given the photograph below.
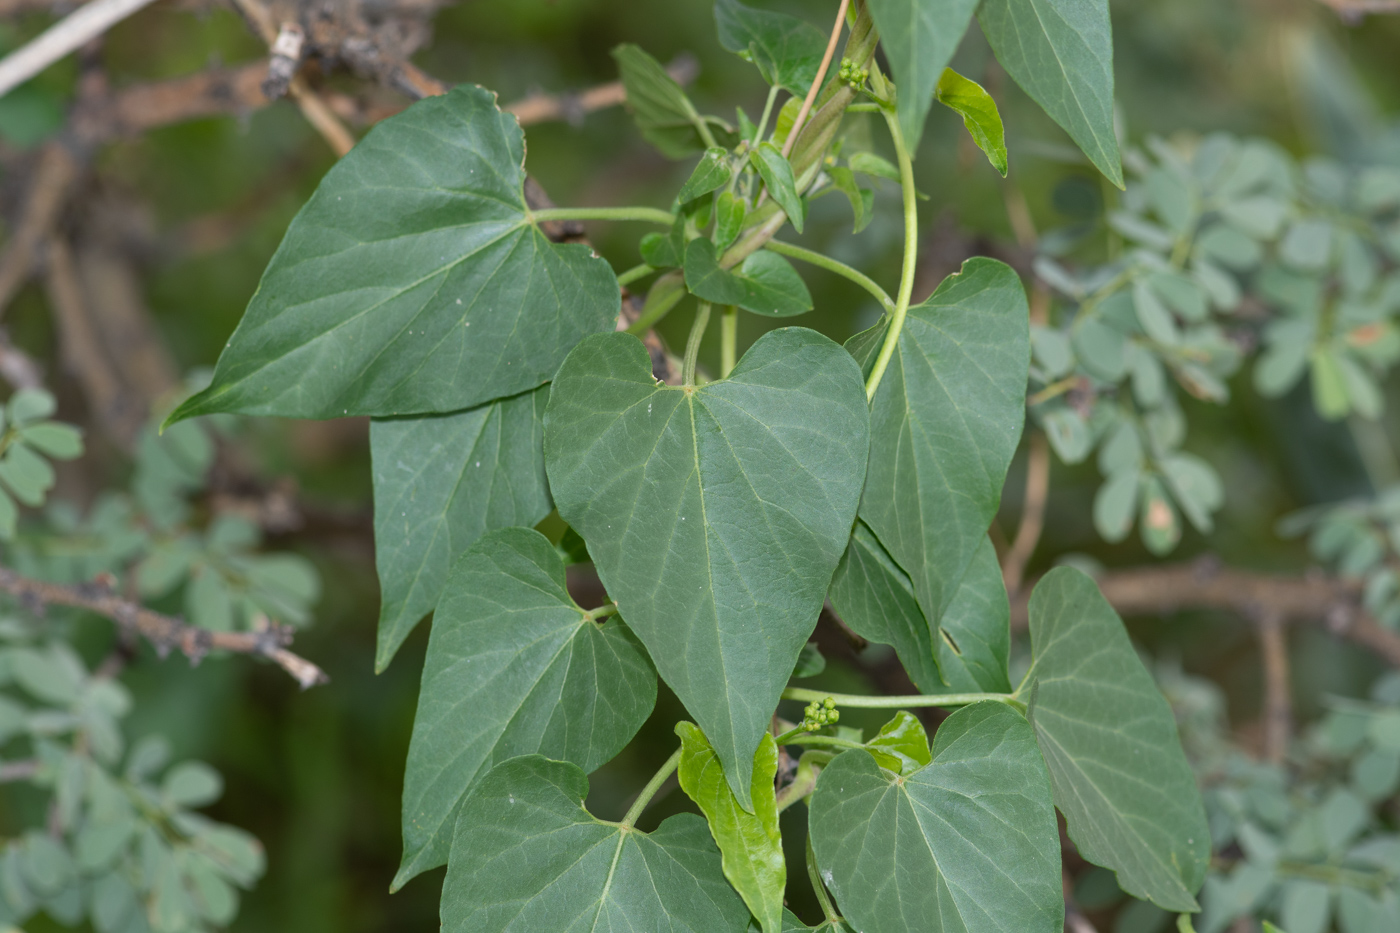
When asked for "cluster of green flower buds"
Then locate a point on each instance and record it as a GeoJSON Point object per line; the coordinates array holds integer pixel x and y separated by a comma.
{"type": "Point", "coordinates": [853, 76]}
{"type": "Point", "coordinates": [820, 714]}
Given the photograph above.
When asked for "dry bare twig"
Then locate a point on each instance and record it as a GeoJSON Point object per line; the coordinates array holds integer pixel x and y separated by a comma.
{"type": "Point", "coordinates": [1013, 566]}
{"type": "Point", "coordinates": [67, 35]}
{"type": "Point", "coordinates": [1278, 687]}
{"type": "Point", "coordinates": [164, 632]}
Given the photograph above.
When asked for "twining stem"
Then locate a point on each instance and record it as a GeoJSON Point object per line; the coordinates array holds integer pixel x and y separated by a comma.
{"type": "Point", "coordinates": [911, 250]}
{"type": "Point", "coordinates": [728, 339]}
{"type": "Point", "coordinates": [828, 910]}
{"type": "Point", "coordinates": [878, 702]}
{"type": "Point", "coordinates": [801, 786]}
{"type": "Point", "coordinates": [650, 790]}
{"type": "Point", "coordinates": [634, 273]}
{"type": "Point", "coordinates": [823, 261]}
{"type": "Point", "coordinates": [817, 81]}
{"type": "Point", "coordinates": [646, 214]}
{"type": "Point", "coordinates": [767, 112]}
{"type": "Point", "coordinates": [835, 741]}
{"type": "Point", "coordinates": [692, 344]}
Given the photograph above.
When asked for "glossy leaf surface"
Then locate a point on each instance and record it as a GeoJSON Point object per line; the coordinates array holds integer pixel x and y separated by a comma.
{"type": "Point", "coordinates": [980, 116]}
{"type": "Point", "coordinates": [715, 515]}
{"type": "Point", "coordinates": [413, 281]}
{"type": "Point", "coordinates": [514, 667]}
{"type": "Point", "coordinates": [527, 857]}
{"type": "Point", "coordinates": [967, 843]}
{"type": "Point", "coordinates": [1109, 739]}
{"type": "Point", "coordinates": [441, 482]}
{"type": "Point", "coordinates": [750, 843]}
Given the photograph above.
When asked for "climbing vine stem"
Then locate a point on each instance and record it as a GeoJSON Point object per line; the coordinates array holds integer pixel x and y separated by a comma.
{"type": "Point", "coordinates": [650, 790]}
{"type": "Point", "coordinates": [911, 250]}
{"type": "Point", "coordinates": [645, 214]}
{"type": "Point", "coordinates": [728, 339]}
{"type": "Point", "coordinates": [692, 344]}
{"type": "Point", "coordinates": [883, 702]}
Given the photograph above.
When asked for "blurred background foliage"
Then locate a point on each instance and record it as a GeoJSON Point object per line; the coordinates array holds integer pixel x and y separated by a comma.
{"type": "Point", "coordinates": [317, 775]}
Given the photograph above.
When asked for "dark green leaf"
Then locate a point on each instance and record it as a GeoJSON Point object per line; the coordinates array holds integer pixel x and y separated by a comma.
{"type": "Point", "coordinates": [413, 281]}
{"type": "Point", "coordinates": [979, 113]}
{"type": "Point", "coordinates": [750, 844]}
{"type": "Point", "coordinates": [730, 211]}
{"type": "Point", "coordinates": [1062, 55]}
{"type": "Point", "coordinates": [787, 51]}
{"type": "Point", "coordinates": [664, 250]}
{"type": "Point", "coordinates": [711, 174]}
{"type": "Point", "coordinates": [810, 663]}
{"type": "Point", "coordinates": [514, 667]}
{"type": "Point", "coordinates": [974, 639]}
{"type": "Point", "coordinates": [919, 38]}
{"type": "Point", "coordinates": [776, 172]}
{"type": "Point", "coordinates": [901, 745]}
{"type": "Point", "coordinates": [528, 858]}
{"type": "Point", "coordinates": [945, 423]}
{"type": "Point", "coordinates": [715, 515]}
{"type": "Point", "coordinates": [765, 283]}
{"type": "Point", "coordinates": [441, 482]}
{"type": "Point", "coordinates": [666, 117]}
{"type": "Point", "coordinates": [967, 844]}
{"type": "Point", "coordinates": [1108, 736]}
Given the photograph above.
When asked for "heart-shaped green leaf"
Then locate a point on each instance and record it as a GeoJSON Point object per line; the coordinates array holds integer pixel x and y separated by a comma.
{"type": "Point", "coordinates": [413, 281]}
{"type": "Point", "coordinates": [1061, 53]}
{"type": "Point", "coordinates": [967, 844]}
{"type": "Point", "coordinates": [945, 423]}
{"type": "Point", "coordinates": [441, 482]}
{"type": "Point", "coordinates": [1109, 739]}
{"type": "Point", "coordinates": [710, 174]}
{"type": "Point", "coordinates": [979, 112]}
{"type": "Point", "coordinates": [966, 652]}
{"type": "Point", "coordinates": [514, 667]}
{"type": "Point", "coordinates": [750, 844]}
{"type": "Point", "coordinates": [528, 858]}
{"type": "Point", "coordinates": [664, 114]}
{"type": "Point", "coordinates": [901, 745]}
{"type": "Point", "coordinates": [919, 37]}
{"type": "Point", "coordinates": [786, 50]}
{"type": "Point", "coordinates": [715, 515]}
{"type": "Point", "coordinates": [765, 283]}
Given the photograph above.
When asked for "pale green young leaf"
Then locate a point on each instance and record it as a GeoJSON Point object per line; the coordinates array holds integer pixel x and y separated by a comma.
{"type": "Point", "coordinates": [979, 112]}
{"type": "Point", "coordinates": [966, 844]}
{"type": "Point", "coordinates": [786, 50]}
{"type": "Point", "coordinates": [413, 281]}
{"type": "Point", "coordinates": [711, 173]}
{"type": "Point", "coordinates": [1061, 53]}
{"type": "Point", "coordinates": [765, 283]}
{"type": "Point", "coordinates": [1114, 503]}
{"type": "Point", "coordinates": [60, 441]}
{"type": "Point", "coordinates": [715, 515]}
{"type": "Point", "coordinates": [919, 38]}
{"type": "Point", "coordinates": [1120, 776]}
{"type": "Point", "coordinates": [945, 423]}
{"type": "Point", "coordinates": [901, 745]}
{"type": "Point", "coordinates": [862, 199]}
{"type": "Point", "coordinates": [514, 667]}
{"type": "Point", "coordinates": [527, 857]}
{"type": "Point", "coordinates": [750, 843]}
{"type": "Point", "coordinates": [776, 172]}
{"type": "Point", "coordinates": [441, 482]}
{"type": "Point", "coordinates": [868, 163]}
{"type": "Point", "coordinates": [1329, 388]}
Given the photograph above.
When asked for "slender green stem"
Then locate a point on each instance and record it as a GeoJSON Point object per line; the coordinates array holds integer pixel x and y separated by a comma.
{"type": "Point", "coordinates": [646, 214]}
{"type": "Point", "coordinates": [834, 741]}
{"type": "Point", "coordinates": [800, 787]}
{"type": "Point", "coordinates": [822, 261]}
{"type": "Point", "coordinates": [634, 273]}
{"type": "Point", "coordinates": [692, 344]}
{"type": "Point", "coordinates": [602, 612]}
{"type": "Point", "coordinates": [666, 292]}
{"type": "Point", "coordinates": [911, 255]}
{"type": "Point", "coordinates": [789, 735]}
{"type": "Point", "coordinates": [767, 112]}
{"type": "Point", "coordinates": [818, 886]}
{"type": "Point", "coordinates": [728, 340]}
{"type": "Point", "coordinates": [874, 702]}
{"type": "Point", "coordinates": [864, 108]}
{"type": "Point", "coordinates": [650, 790]}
